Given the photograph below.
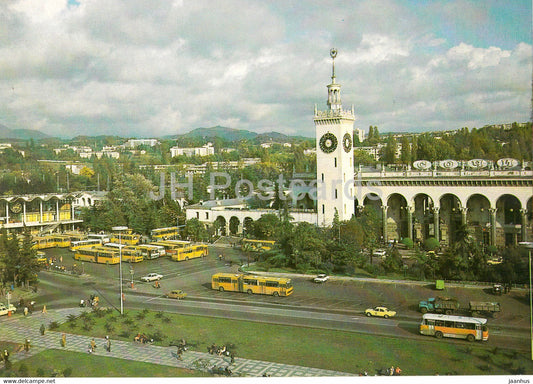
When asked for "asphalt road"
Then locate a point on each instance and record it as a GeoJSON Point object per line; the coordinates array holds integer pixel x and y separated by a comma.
{"type": "Point", "coordinates": [337, 304]}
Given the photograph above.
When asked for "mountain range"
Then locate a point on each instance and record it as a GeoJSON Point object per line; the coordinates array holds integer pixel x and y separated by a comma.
{"type": "Point", "coordinates": [228, 134]}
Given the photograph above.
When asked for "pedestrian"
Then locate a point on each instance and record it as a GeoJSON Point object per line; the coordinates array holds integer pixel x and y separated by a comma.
{"type": "Point", "coordinates": [93, 345]}
{"type": "Point", "coordinates": [63, 340]}
{"type": "Point", "coordinates": [391, 371]}
{"type": "Point", "coordinates": [42, 329]}
{"type": "Point", "coordinates": [25, 311]}
{"type": "Point", "coordinates": [5, 355]}
{"type": "Point", "coordinates": [44, 309]}
{"type": "Point", "coordinates": [398, 371]}
{"type": "Point", "coordinates": [27, 345]}
{"type": "Point", "coordinates": [108, 344]}
{"type": "Point", "coordinates": [232, 356]}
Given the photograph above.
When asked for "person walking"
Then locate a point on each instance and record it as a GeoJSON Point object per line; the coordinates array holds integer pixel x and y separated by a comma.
{"type": "Point", "coordinates": [108, 344]}
{"type": "Point", "coordinates": [25, 311]}
{"type": "Point", "coordinates": [44, 309]}
{"type": "Point", "coordinates": [27, 345]}
{"type": "Point", "coordinates": [63, 340]}
{"type": "Point", "coordinates": [42, 329]}
{"type": "Point", "coordinates": [93, 345]}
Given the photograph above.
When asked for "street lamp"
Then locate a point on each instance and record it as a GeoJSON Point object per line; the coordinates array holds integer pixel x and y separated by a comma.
{"type": "Point", "coordinates": [529, 246]}
{"type": "Point", "coordinates": [119, 229]}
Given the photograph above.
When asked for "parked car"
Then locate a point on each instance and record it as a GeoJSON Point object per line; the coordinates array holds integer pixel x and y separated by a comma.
{"type": "Point", "coordinates": [321, 278]}
{"type": "Point", "coordinates": [380, 312]}
{"type": "Point", "coordinates": [380, 252]}
{"type": "Point", "coordinates": [152, 277]}
{"type": "Point", "coordinates": [4, 309]}
{"type": "Point", "coordinates": [176, 294]}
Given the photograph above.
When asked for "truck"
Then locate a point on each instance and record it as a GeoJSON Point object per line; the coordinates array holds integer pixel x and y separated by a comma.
{"type": "Point", "coordinates": [478, 308]}
{"type": "Point", "coordinates": [439, 305]}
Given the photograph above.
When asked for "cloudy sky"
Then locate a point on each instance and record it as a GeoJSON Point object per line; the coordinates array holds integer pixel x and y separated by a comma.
{"type": "Point", "coordinates": [158, 67]}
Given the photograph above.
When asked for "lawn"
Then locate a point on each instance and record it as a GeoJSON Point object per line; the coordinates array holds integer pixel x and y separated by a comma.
{"type": "Point", "coordinates": [62, 363]}
{"type": "Point", "coordinates": [326, 349]}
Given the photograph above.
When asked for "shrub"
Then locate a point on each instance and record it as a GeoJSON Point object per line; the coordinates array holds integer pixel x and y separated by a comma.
{"type": "Point", "coordinates": [53, 325]}
{"type": "Point", "coordinates": [67, 372]}
{"type": "Point", "coordinates": [408, 242]}
{"type": "Point", "coordinates": [40, 372]}
{"type": "Point", "coordinates": [431, 244]}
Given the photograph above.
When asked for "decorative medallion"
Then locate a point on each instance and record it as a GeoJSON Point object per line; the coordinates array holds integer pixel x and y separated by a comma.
{"type": "Point", "coordinates": [328, 142]}
{"type": "Point", "coordinates": [16, 208]}
{"type": "Point", "coordinates": [347, 142]}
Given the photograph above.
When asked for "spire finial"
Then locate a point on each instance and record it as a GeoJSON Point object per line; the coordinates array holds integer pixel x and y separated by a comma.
{"type": "Point", "coordinates": [333, 54]}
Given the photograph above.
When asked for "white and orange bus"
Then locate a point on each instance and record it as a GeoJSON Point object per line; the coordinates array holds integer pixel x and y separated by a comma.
{"type": "Point", "coordinates": [460, 327]}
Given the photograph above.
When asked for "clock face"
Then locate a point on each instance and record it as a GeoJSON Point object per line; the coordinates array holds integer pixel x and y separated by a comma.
{"type": "Point", "coordinates": [328, 142]}
{"type": "Point", "coordinates": [347, 142]}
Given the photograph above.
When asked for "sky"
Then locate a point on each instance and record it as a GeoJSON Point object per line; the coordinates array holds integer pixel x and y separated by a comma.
{"type": "Point", "coordinates": [159, 67]}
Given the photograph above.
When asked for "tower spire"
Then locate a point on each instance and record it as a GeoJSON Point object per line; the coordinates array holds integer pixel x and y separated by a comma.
{"type": "Point", "coordinates": [334, 89]}
{"type": "Point", "coordinates": [333, 54]}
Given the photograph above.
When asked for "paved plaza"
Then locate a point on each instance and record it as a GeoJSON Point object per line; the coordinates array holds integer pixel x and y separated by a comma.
{"type": "Point", "coordinates": [17, 328]}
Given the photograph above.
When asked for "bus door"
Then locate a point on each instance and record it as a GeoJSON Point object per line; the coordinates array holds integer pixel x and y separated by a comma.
{"type": "Point", "coordinates": [479, 332]}
{"type": "Point", "coordinates": [238, 284]}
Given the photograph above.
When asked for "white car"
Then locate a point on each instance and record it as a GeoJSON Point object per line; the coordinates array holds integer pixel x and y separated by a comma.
{"type": "Point", "coordinates": [4, 310]}
{"type": "Point", "coordinates": [381, 253]}
{"type": "Point", "coordinates": [322, 278]}
{"type": "Point", "coordinates": [152, 277]}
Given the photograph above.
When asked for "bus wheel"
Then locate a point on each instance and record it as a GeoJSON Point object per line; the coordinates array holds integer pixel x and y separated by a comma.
{"type": "Point", "coordinates": [275, 293]}
{"type": "Point", "coordinates": [438, 335]}
{"type": "Point", "coordinates": [470, 338]}
{"type": "Point", "coordinates": [249, 291]}
{"type": "Point", "coordinates": [221, 289]}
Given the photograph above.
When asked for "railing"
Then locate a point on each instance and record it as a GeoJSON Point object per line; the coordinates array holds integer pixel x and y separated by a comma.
{"type": "Point", "coordinates": [441, 174]}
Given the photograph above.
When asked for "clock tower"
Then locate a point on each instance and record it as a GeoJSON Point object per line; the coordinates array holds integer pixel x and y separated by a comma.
{"type": "Point", "coordinates": [334, 156]}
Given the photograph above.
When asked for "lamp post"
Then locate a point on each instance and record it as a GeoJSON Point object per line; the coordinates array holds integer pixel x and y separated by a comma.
{"type": "Point", "coordinates": [529, 245]}
{"type": "Point", "coordinates": [119, 230]}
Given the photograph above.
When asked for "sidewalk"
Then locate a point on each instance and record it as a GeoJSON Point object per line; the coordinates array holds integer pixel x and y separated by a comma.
{"type": "Point", "coordinates": [17, 328]}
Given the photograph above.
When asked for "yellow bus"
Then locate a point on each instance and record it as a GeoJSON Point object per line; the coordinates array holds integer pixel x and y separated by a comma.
{"type": "Point", "coordinates": [150, 251]}
{"type": "Point", "coordinates": [41, 257]}
{"type": "Point", "coordinates": [264, 285]}
{"type": "Point", "coordinates": [84, 243]}
{"type": "Point", "coordinates": [460, 327]}
{"type": "Point", "coordinates": [43, 242]}
{"type": "Point", "coordinates": [164, 233]}
{"type": "Point", "coordinates": [62, 241]}
{"type": "Point", "coordinates": [99, 255]}
{"type": "Point", "coordinates": [125, 238]}
{"type": "Point", "coordinates": [257, 245]}
{"type": "Point", "coordinates": [131, 255]}
{"type": "Point", "coordinates": [172, 246]}
{"type": "Point", "coordinates": [190, 252]}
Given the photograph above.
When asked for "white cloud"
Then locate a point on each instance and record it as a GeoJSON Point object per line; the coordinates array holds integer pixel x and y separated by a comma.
{"type": "Point", "coordinates": [151, 68]}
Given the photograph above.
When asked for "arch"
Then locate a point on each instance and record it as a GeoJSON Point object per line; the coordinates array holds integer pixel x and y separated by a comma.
{"type": "Point", "coordinates": [247, 225]}
{"type": "Point", "coordinates": [508, 220]}
{"type": "Point", "coordinates": [234, 225]}
{"type": "Point", "coordinates": [450, 217]}
{"type": "Point", "coordinates": [397, 217]}
{"type": "Point", "coordinates": [423, 220]}
{"type": "Point", "coordinates": [220, 225]}
{"type": "Point", "coordinates": [478, 218]}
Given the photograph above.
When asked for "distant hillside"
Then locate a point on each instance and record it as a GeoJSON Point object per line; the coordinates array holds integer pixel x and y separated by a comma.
{"type": "Point", "coordinates": [21, 134]}
{"type": "Point", "coordinates": [230, 134]}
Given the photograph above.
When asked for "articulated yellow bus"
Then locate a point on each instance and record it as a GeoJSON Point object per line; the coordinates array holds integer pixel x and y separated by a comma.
{"type": "Point", "coordinates": [172, 246]}
{"type": "Point", "coordinates": [43, 242]}
{"type": "Point", "coordinates": [257, 245]}
{"type": "Point", "coordinates": [150, 251]}
{"type": "Point", "coordinates": [99, 255]}
{"type": "Point", "coordinates": [460, 327]}
{"type": "Point", "coordinates": [265, 285]}
{"type": "Point", "coordinates": [62, 241]}
{"type": "Point", "coordinates": [126, 238]}
{"type": "Point", "coordinates": [84, 243]}
{"type": "Point", "coordinates": [130, 254]}
{"type": "Point", "coordinates": [164, 233]}
{"type": "Point", "coordinates": [190, 252]}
